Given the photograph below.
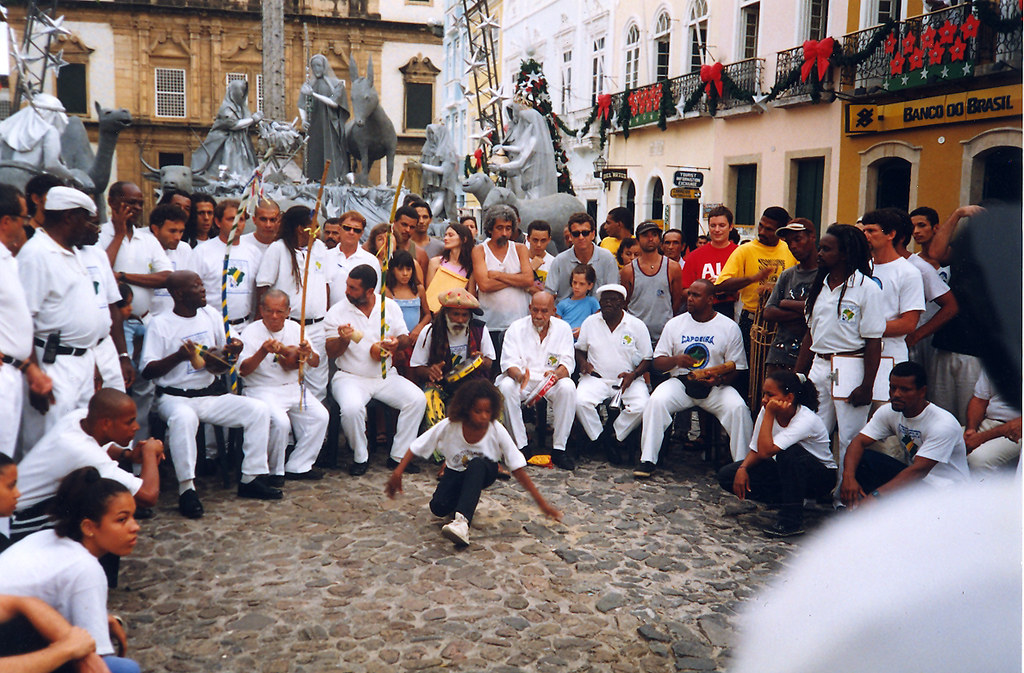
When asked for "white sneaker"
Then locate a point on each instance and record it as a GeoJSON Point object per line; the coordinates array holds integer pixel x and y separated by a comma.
{"type": "Point", "coordinates": [457, 531]}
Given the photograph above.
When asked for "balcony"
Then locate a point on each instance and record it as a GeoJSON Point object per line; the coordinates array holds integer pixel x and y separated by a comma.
{"type": "Point", "coordinates": [786, 62]}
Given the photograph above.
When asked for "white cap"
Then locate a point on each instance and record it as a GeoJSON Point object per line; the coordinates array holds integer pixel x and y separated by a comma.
{"type": "Point", "coordinates": [67, 198]}
{"type": "Point", "coordinates": [612, 287]}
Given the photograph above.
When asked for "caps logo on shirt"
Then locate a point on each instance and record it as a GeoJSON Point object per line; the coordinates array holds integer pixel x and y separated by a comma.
{"type": "Point", "coordinates": [910, 438]}
{"type": "Point", "coordinates": [236, 274]}
{"type": "Point", "coordinates": [552, 360]}
{"type": "Point", "coordinates": [628, 340]}
{"type": "Point", "coordinates": [699, 353]}
{"type": "Point", "coordinates": [848, 312]}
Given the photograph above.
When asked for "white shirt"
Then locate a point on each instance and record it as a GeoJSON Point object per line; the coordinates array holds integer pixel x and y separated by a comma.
{"type": "Point", "coordinates": [524, 349]}
{"type": "Point", "coordinates": [338, 266]}
{"type": "Point", "coordinates": [356, 358]}
{"type": "Point", "coordinates": [269, 372]}
{"type": "Point", "coordinates": [64, 575]}
{"type": "Point", "coordinates": [141, 253]}
{"type": "Point", "coordinates": [541, 272]}
{"type": "Point", "coordinates": [458, 347]}
{"type": "Point", "coordinates": [208, 262]}
{"type": "Point", "coordinates": [934, 433]}
{"type": "Point", "coordinates": [98, 265]}
{"type": "Point", "coordinates": [710, 343]}
{"type": "Point", "coordinates": [448, 438]}
{"type": "Point", "coordinates": [58, 288]}
{"type": "Point", "coordinates": [180, 259]}
{"type": "Point", "coordinates": [168, 331]}
{"type": "Point", "coordinates": [15, 319]}
{"type": "Point", "coordinates": [276, 271]}
{"type": "Point", "coordinates": [842, 327]}
{"type": "Point", "coordinates": [902, 291]}
{"type": "Point", "coordinates": [805, 429]}
{"type": "Point", "coordinates": [62, 450]}
{"type": "Point", "coordinates": [502, 307]}
{"type": "Point", "coordinates": [614, 352]}
{"type": "Point", "coordinates": [934, 287]}
{"type": "Point", "coordinates": [997, 409]}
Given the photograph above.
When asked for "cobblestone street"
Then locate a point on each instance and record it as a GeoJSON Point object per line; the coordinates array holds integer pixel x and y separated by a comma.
{"type": "Point", "coordinates": [639, 576]}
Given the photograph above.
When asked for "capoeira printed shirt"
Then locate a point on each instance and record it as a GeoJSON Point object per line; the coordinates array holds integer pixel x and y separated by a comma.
{"type": "Point", "coordinates": [244, 262]}
{"type": "Point", "coordinates": [934, 433]}
{"type": "Point", "coordinates": [613, 352]}
{"type": "Point", "coordinates": [168, 331]}
{"type": "Point", "coordinates": [709, 343]}
{"type": "Point", "coordinates": [842, 320]}
{"type": "Point", "coordinates": [448, 438]}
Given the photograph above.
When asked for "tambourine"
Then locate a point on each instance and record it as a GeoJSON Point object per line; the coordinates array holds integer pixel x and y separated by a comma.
{"type": "Point", "coordinates": [436, 408]}
{"type": "Point", "coordinates": [465, 368]}
{"type": "Point", "coordinates": [541, 389]}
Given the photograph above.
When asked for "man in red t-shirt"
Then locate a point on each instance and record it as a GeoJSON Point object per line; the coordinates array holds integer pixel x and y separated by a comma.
{"type": "Point", "coordinates": [707, 261]}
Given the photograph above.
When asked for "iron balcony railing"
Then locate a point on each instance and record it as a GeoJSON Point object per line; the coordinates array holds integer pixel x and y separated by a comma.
{"type": "Point", "coordinates": [785, 63]}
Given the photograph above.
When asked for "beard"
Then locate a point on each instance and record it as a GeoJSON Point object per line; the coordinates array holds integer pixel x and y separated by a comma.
{"type": "Point", "coordinates": [455, 328]}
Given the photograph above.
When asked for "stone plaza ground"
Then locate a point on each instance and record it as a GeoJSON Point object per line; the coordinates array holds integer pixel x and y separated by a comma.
{"type": "Point", "coordinates": [640, 576]}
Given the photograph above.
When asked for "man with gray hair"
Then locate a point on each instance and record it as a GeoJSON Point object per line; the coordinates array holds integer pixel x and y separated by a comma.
{"type": "Point", "coordinates": [503, 274]}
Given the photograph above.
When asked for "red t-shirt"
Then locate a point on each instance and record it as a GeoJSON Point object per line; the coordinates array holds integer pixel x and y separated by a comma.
{"type": "Point", "coordinates": [706, 262]}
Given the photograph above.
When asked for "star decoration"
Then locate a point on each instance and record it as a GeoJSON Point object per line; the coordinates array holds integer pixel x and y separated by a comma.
{"type": "Point", "coordinates": [885, 85]}
{"type": "Point", "coordinates": [945, 72]}
{"type": "Point", "coordinates": [969, 28]}
{"type": "Point", "coordinates": [897, 63]}
{"type": "Point", "coordinates": [928, 36]}
{"type": "Point", "coordinates": [51, 26]}
{"type": "Point", "coordinates": [890, 43]}
{"type": "Point", "coordinates": [475, 63]}
{"type": "Point", "coordinates": [905, 79]}
{"type": "Point", "coordinates": [947, 32]}
{"type": "Point", "coordinates": [916, 59]}
{"type": "Point", "coordinates": [490, 22]}
{"type": "Point", "coordinates": [57, 61]}
{"type": "Point", "coordinates": [935, 55]}
{"type": "Point", "coordinates": [924, 74]}
{"type": "Point", "coordinates": [967, 68]}
{"type": "Point", "coordinates": [908, 44]}
{"type": "Point", "coordinates": [956, 50]}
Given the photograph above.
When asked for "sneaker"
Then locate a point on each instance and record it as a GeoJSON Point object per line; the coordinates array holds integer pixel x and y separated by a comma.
{"type": "Point", "coordinates": [411, 468]}
{"type": "Point", "coordinates": [780, 530]}
{"type": "Point", "coordinates": [259, 489]}
{"type": "Point", "coordinates": [644, 470]}
{"type": "Point", "coordinates": [457, 530]}
{"type": "Point", "coordinates": [189, 505]}
{"type": "Point", "coordinates": [563, 460]}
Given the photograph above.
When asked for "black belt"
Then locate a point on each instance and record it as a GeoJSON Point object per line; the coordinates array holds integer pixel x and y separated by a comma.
{"type": "Point", "coordinates": [239, 321]}
{"type": "Point", "coordinates": [309, 321]}
{"type": "Point", "coordinates": [217, 388]}
{"type": "Point", "coordinates": [18, 364]}
{"type": "Point", "coordinates": [35, 511]}
{"type": "Point", "coordinates": [829, 356]}
{"type": "Point", "coordinates": [62, 350]}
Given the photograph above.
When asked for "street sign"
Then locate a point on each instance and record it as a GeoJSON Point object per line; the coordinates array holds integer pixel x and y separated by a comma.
{"type": "Point", "coordinates": [615, 174]}
{"type": "Point", "coordinates": [682, 193]}
{"type": "Point", "coordinates": [688, 179]}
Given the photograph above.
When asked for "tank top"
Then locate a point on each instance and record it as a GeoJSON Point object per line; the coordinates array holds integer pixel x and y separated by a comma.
{"type": "Point", "coordinates": [507, 304]}
{"type": "Point", "coordinates": [410, 311]}
{"type": "Point", "coordinates": [651, 300]}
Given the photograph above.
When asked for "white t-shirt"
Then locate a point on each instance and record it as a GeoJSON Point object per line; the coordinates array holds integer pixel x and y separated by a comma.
{"type": "Point", "coordinates": [902, 291]}
{"type": "Point", "coordinates": [613, 352]}
{"type": "Point", "coordinates": [842, 327]}
{"type": "Point", "coordinates": [998, 409]}
{"type": "Point", "coordinates": [934, 433]}
{"type": "Point", "coordinates": [58, 289]}
{"type": "Point", "coordinates": [142, 254]}
{"type": "Point", "coordinates": [15, 319]}
{"type": "Point", "coordinates": [805, 429]}
{"type": "Point", "coordinates": [276, 271]}
{"type": "Point", "coordinates": [541, 272]}
{"type": "Point", "coordinates": [524, 349]}
{"type": "Point", "coordinates": [62, 450]}
{"type": "Point", "coordinates": [168, 331]}
{"type": "Point", "coordinates": [710, 343]}
{"type": "Point", "coordinates": [269, 372]}
{"type": "Point", "coordinates": [458, 347]}
{"type": "Point", "coordinates": [448, 438]}
{"type": "Point", "coordinates": [180, 259]}
{"type": "Point", "coordinates": [251, 239]}
{"type": "Point", "coordinates": [64, 575]}
{"type": "Point", "coordinates": [338, 266]}
{"type": "Point", "coordinates": [98, 264]}
{"type": "Point", "coordinates": [934, 287]}
{"type": "Point", "coordinates": [208, 262]}
{"type": "Point", "coordinates": [356, 358]}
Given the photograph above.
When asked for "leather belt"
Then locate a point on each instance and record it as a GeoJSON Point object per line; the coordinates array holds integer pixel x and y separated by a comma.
{"type": "Point", "coordinates": [63, 350]}
{"type": "Point", "coordinates": [216, 389]}
{"type": "Point", "coordinates": [829, 356]}
{"type": "Point", "coordinates": [18, 364]}
{"type": "Point", "coordinates": [309, 321]}
{"type": "Point", "coordinates": [239, 321]}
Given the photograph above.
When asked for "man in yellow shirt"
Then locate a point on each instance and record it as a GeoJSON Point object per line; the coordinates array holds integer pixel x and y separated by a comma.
{"type": "Point", "coordinates": [618, 224]}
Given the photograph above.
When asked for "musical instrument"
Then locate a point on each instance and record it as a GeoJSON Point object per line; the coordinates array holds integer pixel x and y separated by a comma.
{"type": "Point", "coordinates": [762, 334]}
{"type": "Point", "coordinates": [696, 382]}
{"type": "Point", "coordinates": [356, 336]}
{"type": "Point", "coordinates": [465, 368]}
{"type": "Point", "coordinates": [437, 410]}
{"type": "Point", "coordinates": [540, 389]}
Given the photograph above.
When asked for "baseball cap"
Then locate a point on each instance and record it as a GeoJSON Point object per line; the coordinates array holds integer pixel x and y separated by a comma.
{"type": "Point", "coordinates": [647, 225]}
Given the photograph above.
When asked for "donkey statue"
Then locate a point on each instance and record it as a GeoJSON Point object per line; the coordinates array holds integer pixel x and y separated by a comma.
{"type": "Point", "coordinates": [369, 132]}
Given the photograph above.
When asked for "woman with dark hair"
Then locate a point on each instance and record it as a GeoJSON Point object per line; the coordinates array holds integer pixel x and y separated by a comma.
{"type": "Point", "coordinates": [844, 317]}
{"type": "Point", "coordinates": [790, 455]}
{"type": "Point", "coordinates": [201, 225]}
{"type": "Point", "coordinates": [35, 199]}
{"type": "Point", "coordinates": [401, 284]}
{"type": "Point", "coordinates": [453, 268]}
{"type": "Point", "coordinates": [377, 239]}
{"type": "Point", "coordinates": [629, 249]}
{"type": "Point", "coordinates": [93, 516]}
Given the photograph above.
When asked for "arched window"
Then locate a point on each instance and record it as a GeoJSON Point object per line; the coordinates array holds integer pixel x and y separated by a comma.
{"type": "Point", "coordinates": [697, 31]}
{"type": "Point", "coordinates": [632, 57]}
{"type": "Point", "coordinates": [658, 200]}
{"type": "Point", "coordinates": [663, 46]}
{"type": "Point", "coordinates": [893, 180]}
{"type": "Point", "coordinates": [628, 199]}
{"type": "Point", "coordinates": [1002, 179]}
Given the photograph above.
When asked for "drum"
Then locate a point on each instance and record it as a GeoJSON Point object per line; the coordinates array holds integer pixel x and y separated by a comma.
{"type": "Point", "coordinates": [465, 368]}
{"type": "Point", "coordinates": [541, 389]}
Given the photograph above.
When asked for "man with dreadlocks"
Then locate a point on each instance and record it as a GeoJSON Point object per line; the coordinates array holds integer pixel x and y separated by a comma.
{"type": "Point", "coordinates": [283, 267]}
{"type": "Point", "coordinates": [844, 317]}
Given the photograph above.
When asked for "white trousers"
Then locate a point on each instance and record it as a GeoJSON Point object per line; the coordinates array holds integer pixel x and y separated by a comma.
{"type": "Point", "coordinates": [309, 423]}
{"type": "Point", "coordinates": [591, 391]}
{"type": "Point", "coordinates": [315, 378]}
{"type": "Point", "coordinates": [183, 415]}
{"type": "Point", "coordinates": [143, 392]}
{"type": "Point", "coordinates": [108, 364]}
{"type": "Point", "coordinates": [73, 387]}
{"type": "Point", "coordinates": [723, 402]}
{"type": "Point", "coordinates": [12, 396]}
{"type": "Point", "coordinates": [838, 415]}
{"type": "Point", "coordinates": [951, 382]}
{"type": "Point", "coordinates": [561, 401]}
{"type": "Point", "coordinates": [994, 455]}
{"type": "Point", "coordinates": [353, 393]}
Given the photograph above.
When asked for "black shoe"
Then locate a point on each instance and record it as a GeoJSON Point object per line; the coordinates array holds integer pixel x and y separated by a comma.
{"type": "Point", "coordinates": [411, 468]}
{"type": "Point", "coordinates": [780, 530]}
{"type": "Point", "coordinates": [259, 489]}
{"type": "Point", "coordinates": [644, 470]}
{"type": "Point", "coordinates": [358, 469]}
{"type": "Point", "coordinates": [143, 513]}
{"type": "Point", "coordinates": [563, 460]}
{"type": "Point", "coordinates": [276, 480]}
{"type": "Point", "coordinates": [313, 474]}
{"type": "Point", "coordinates": [189, 505]}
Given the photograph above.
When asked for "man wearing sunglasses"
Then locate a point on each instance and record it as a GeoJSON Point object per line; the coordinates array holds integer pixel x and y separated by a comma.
{"type": "Point", "coordinates": [583, 251]}
{"type": "Point", "coordinates": [347, 255]}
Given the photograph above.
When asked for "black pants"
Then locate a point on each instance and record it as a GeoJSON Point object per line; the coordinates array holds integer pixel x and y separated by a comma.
{"type": "Point", "coordinates": [460, 491]}
{"type": "Point", "coordinates": [497, 340]}
{"type": "Point", "coordinates": [786, 481]}
{"type": "Point", "coordinates": [877, 469]}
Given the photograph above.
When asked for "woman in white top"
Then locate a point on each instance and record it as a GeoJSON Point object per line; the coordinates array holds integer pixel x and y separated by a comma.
{"type": "Point", "coordinates": [790, 455]}
{"type": "Point", "coordinates": [93, 516]}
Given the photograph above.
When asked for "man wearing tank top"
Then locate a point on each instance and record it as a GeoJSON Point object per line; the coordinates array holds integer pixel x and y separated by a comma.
{"type": "Point", "coordinates": [653, 282]}
{"type": "Point", "coordinates": [503, 274]}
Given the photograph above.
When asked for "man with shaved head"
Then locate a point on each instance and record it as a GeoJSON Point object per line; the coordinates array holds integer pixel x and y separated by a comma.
{"type": "Point", "coordinates": [539, 347]}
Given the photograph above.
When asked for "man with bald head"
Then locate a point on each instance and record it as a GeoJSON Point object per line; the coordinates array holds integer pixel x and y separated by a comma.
{"type": "Point", "coordinates": [184, 354]}
{"type": "Point", "coordinates": [538, 352]}
{"type": "Point", "coordinates": [95, 436]}
{"type": "Point", "coordinates": [267, 220]}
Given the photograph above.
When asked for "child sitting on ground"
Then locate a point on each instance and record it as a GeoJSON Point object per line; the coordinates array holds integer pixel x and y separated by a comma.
{"type": "Point", "coordinates": [581, 305]}
{"type": "Point", "coordinates": [472, 442]}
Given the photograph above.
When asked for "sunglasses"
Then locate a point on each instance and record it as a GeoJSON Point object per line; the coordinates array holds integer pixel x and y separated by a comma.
{"type": "Point", "coordinates": [353, 230]}
{"type": "Point", "coordinates": [577, 233]}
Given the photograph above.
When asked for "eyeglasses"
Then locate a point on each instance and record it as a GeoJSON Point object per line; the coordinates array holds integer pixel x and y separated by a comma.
{"type": "Point", "coordinates": [352, 230]}
{"type": "Point", "coordinates": [578, 233]}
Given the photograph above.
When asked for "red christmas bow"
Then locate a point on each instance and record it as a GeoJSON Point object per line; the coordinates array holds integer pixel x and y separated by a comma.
{"type": "Point", "coordinates": [712, 75]}
{"type": "Point", "coordinates": [816, 52]}
{"type": "Point", "coordinates": [604, 105]}
{"type": "Point", "coordinates": [478, 156]}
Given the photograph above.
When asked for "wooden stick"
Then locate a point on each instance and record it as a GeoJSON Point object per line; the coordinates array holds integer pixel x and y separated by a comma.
{"type": "Point", "coordinates": [314, 231]}
{"type": "Point", "coordinates": [384, 270]}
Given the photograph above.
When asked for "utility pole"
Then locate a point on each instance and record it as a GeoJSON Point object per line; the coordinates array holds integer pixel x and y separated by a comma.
{"type": "Point", "coordinates": [273, 59]}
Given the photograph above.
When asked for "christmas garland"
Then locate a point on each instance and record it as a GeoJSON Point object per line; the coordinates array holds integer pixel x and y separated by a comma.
{"type": "Point", "coordinates": [532, 87]}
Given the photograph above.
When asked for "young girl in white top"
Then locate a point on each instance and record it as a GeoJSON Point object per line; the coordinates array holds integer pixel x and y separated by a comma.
{"type": "Point", "coordinates": [472, 442]}
{"type": "Point", "coordinates": [790, 455]}
{"type": "Point", "coordinates": [93, 516]}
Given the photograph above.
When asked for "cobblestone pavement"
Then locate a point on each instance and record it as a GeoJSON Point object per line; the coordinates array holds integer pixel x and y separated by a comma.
{"type": "Point", "coordinates": [640, 576]}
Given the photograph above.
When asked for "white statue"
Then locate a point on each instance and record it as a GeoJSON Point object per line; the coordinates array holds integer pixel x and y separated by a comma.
{"type": "Point", "coordinates": [531, 170]}
{"type": "Point", "coordinates": [440, 164]}
{"type": "Point", "coordinates": [30, 138]}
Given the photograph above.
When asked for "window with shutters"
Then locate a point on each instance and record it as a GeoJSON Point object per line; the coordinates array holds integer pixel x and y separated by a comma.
{"type": "Point", "coordinates": [170, 92]}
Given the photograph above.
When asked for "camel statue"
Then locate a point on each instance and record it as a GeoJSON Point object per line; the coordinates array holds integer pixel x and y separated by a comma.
{"type": "Point", "coordinates": [76, 152]}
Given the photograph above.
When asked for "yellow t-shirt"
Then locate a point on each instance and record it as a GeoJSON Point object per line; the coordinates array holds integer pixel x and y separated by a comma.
{"type": "Point", "coordinates": [750, 258]}
{"type": "Point", "coordinates": [611, 244]}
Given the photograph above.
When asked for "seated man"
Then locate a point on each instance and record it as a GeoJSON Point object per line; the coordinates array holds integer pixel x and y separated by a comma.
{"type": "Point", "coordinates": [184, 352]}
{"type": "Point", "coordinates": [35, 638]}
{"type": "Point", "coordinates": [992, 435]}
{"type": "Point", "coordinates": [269, 362]}
{"type": "Point", "coordinates": [931, 436]}
{"type": "Point", "coordinates": [700, 339]}
{"type": "Point", "coordinates": [90, 437]}
{"type": "Point", "coordinates": [365, 370]}
{"type": "Point", "coordinates": [537, 346]}
{"type": "Point", "coordinates": [612, 353]}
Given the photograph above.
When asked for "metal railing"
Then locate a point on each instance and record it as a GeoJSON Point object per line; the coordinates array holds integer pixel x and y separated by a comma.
{"type": "Point", "coordinates": [746, 75]}
{"type": "Point", "coordinates": [794, 58]}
